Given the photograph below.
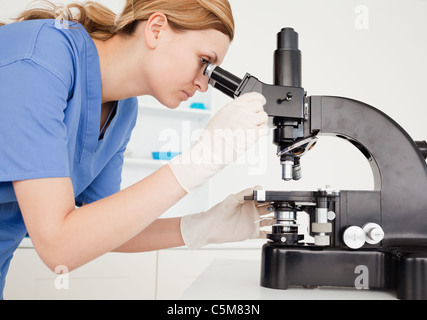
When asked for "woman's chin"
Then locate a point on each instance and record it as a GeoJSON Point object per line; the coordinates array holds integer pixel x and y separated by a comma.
{"type": "Point", "coordinates": [172, 104]}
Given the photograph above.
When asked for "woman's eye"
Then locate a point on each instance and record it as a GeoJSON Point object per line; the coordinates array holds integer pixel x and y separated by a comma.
{"type": "Point", "coordinates": [204, 61]}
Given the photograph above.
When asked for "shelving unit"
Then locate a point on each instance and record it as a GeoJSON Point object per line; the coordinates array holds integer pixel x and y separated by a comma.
{"type": "Point", "coordinates": [155, 119]}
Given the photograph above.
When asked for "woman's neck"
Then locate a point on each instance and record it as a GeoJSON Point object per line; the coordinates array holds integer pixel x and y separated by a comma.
{"type": "Point", "coordinates": [118, 58]}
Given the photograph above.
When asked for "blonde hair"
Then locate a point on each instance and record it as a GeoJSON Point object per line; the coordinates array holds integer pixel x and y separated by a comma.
{"type": "Point", "coordinates": [102, 23]}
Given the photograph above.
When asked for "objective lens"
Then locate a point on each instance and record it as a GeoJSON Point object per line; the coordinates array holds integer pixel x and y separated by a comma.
{"type": "Point", "coordinates": [287, 166]}
{"type": "Point", "coordinates": [296, 172]}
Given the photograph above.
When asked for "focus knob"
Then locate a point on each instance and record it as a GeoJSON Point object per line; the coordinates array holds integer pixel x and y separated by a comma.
{"type": "Point", "coordinates": [374, 233]}
{"type": "Point", "coordinates": [354, 237]}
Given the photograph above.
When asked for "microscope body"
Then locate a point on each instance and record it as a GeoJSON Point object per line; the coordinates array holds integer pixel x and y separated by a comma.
{"type": "Point", "coordinates": [382, 231]}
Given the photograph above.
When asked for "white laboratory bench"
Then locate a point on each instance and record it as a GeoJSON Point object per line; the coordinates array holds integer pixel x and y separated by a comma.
{"type": "Point", "coordinates": [216, 272]}
{"type": "Point", "coordinates": [227, 279]}
{"type": "Point", "coordinates": [157, 275]}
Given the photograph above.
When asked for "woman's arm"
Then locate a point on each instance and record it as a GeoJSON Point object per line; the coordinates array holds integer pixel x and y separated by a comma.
{"type": "Point", "coordinates": [161, 234]}
{"type": "Point", "coordinates": [233, 219]}
{"type": "Point", "coordinates": [64, 235]}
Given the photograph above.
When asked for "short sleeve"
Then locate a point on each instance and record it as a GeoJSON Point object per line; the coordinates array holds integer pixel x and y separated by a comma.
{"type": "Point", "coordinates": [33, 135]}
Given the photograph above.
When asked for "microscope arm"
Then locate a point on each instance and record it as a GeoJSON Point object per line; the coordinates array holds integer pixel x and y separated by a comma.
{"type": "Point", "coordinates": [393, 156]}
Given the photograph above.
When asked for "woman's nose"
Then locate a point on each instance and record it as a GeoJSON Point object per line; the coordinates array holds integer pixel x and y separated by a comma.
{"type": "Point", "coordinates": [201, 82]}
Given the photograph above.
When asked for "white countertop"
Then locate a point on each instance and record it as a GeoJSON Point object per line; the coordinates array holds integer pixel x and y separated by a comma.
{"type": "Point", "coordinates": [240, 280]}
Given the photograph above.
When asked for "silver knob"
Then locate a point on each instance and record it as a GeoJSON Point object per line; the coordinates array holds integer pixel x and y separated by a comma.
{"type": "Point", "coordinates": [354, 237]}
{"type": "Point", "coordinates": [331, 215]}
{"type": "Point", "coordinates": [374, 233]}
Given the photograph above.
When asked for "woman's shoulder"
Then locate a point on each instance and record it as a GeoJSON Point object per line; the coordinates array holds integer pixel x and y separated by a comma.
{"type": "Point", "coordinates": [52, 44]}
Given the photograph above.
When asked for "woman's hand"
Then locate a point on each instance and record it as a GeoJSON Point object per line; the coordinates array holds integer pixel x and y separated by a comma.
{"type": "Point", "coordinates": [231, 220]}
{"type": "Point", "coordinates": [232, 131]}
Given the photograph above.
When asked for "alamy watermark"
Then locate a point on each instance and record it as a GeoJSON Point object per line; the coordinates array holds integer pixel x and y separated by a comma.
{"type": "Point", "coordinates": [362, 17]}
{"type": "Point", "coordinates": [362, 280]}
{"type": "Point", "coordinates": [63, 15]}
{"type": "Point", "coordinates": [219, 146]}
{"type": "Point", "coordinates": [62, 280]}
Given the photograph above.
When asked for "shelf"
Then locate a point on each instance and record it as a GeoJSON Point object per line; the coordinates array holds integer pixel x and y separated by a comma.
{"type": "Point", "coordinates": [187, 113]}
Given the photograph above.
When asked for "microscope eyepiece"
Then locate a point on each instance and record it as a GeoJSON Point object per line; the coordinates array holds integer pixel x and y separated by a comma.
{"type": "Point", "coordinates": [287, 59]}
{"type": "Point", "coordinates": [222, 80]}
{"type": "Point", "coordinates": [210, 67]}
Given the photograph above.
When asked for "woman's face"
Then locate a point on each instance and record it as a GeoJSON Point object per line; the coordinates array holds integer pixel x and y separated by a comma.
{"type": "Point", "coordinates": [173, 68]}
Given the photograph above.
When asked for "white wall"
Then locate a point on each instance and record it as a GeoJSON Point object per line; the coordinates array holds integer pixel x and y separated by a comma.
{"type": "Point", "coordinates": [383, 65]}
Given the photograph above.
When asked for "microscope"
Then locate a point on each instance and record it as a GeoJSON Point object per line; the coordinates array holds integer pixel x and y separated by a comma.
{"type": "Point", "coordinates": [373, 239]}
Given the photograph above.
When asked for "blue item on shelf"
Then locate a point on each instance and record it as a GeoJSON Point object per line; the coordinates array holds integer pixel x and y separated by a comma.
{"type": "Point", "coordinates": [198, 105]}
{"type": "Point", "coordinates": [165, 155]}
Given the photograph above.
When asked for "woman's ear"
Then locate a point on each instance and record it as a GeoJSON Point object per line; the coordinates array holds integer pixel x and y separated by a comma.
{"type": "Point", "coordinates": [156, 25]}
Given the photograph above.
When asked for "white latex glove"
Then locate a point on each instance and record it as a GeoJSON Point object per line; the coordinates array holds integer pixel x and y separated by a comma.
{"type": "Point", "coordinates": [231, 220]}
{"type": "Point", "coordinates": [233, 130]}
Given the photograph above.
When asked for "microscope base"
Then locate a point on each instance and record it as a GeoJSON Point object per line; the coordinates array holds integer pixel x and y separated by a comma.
{"type": "Point", "coordinates": [403, 270]}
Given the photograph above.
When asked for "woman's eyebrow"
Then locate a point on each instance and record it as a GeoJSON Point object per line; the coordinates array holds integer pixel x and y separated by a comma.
{"type": "Point", "coordinates": [215, 56]}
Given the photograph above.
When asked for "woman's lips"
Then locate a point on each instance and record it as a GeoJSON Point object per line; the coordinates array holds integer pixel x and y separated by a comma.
{"type": "Point", "coordinates": [186, 95]}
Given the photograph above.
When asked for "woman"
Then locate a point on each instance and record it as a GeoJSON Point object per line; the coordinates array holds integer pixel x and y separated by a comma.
{"type": "Point", "coordinates": [67, 112]}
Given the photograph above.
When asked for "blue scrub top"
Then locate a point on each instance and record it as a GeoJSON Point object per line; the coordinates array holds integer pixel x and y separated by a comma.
{"type": "Point", "coordinates": [50, 107]}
